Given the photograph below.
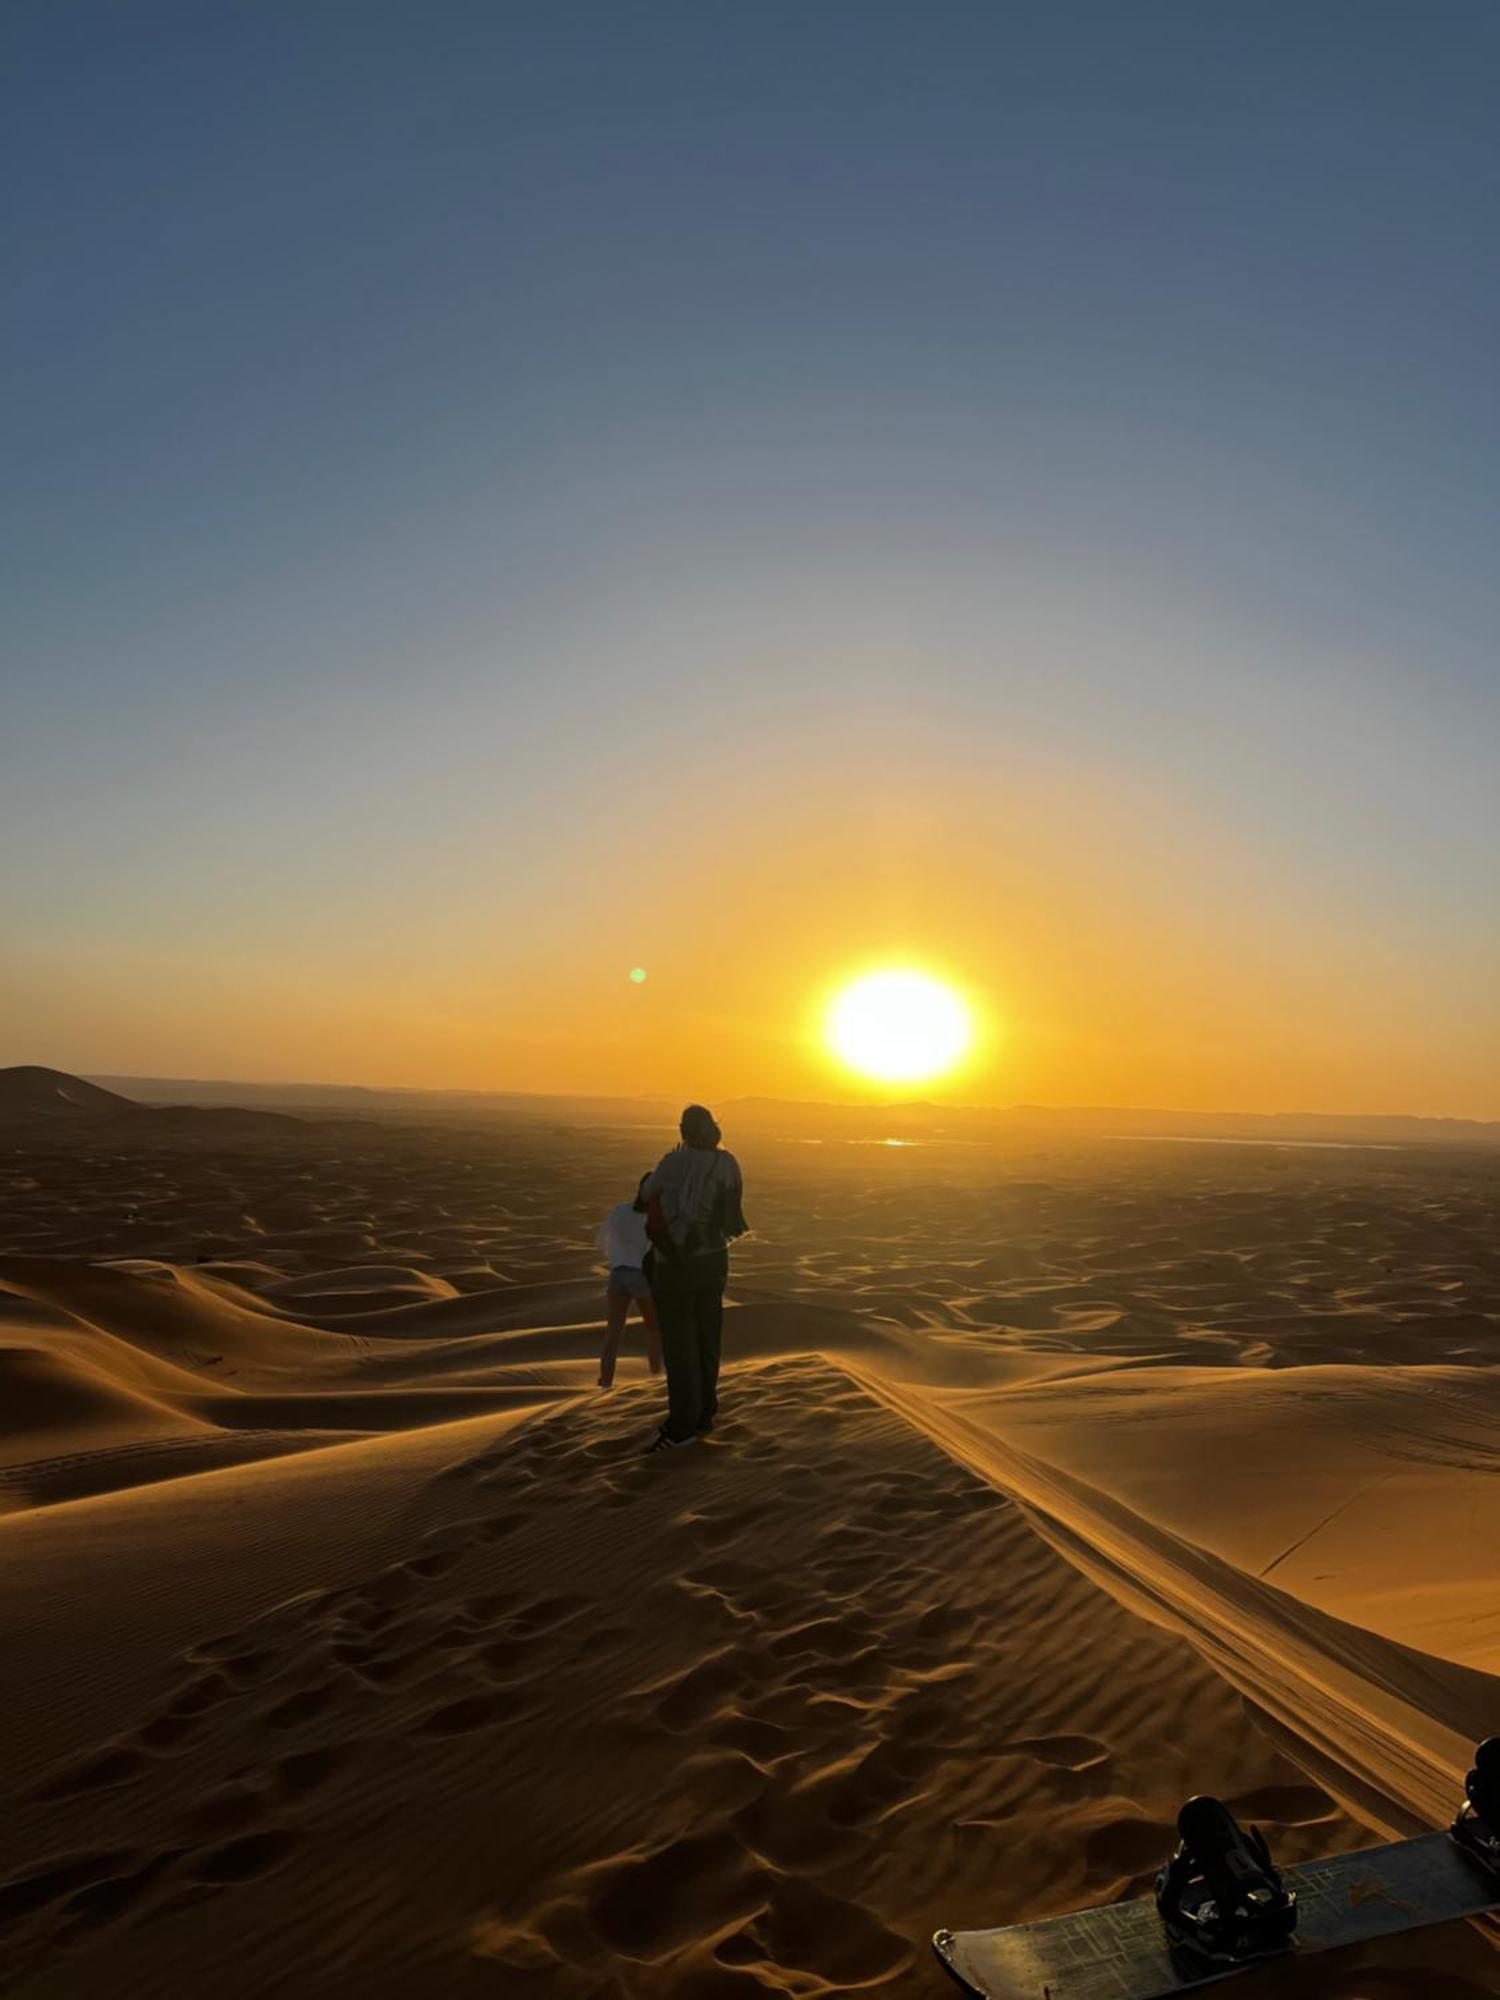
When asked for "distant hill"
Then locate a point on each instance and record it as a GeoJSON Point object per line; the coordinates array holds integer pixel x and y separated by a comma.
{"type": "Point", "coordinates": [28, 1091]}
{"type": "Point", "coordinates": [345, 1101]}
{"type": "Point", "coordinates": [1022, 1123]}
{"type": "Point", "coordinates": [34, 1100]}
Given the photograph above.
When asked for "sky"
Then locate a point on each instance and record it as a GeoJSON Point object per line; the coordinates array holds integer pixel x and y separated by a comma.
{"type": "Point", "coordinates": [495, 496]}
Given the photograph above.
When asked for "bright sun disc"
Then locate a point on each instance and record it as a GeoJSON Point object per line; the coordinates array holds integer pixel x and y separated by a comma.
{"type": "Point", "coordinates": [898, 1027]}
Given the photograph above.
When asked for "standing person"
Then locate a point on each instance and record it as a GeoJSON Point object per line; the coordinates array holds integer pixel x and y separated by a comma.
{"type": "Point", "coordinates": [693, 1213]}
{"type": "Point", "coordinates": [623, 1240]}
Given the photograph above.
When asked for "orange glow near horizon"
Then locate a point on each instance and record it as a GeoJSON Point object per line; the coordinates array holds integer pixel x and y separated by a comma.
{"type": "Point", "coordinates": [1102, 955]}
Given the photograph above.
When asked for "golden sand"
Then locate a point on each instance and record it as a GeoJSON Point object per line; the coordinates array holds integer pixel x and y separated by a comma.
{"type": "Point", "coordinates": [351, 1646]}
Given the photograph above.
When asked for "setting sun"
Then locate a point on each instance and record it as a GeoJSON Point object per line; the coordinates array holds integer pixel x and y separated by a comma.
{"type": "Point", "coordinates": [898, 1027]}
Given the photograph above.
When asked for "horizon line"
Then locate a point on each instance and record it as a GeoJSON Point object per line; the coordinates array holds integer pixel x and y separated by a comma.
{"type": "Point", "coordinates": [871, 1105]}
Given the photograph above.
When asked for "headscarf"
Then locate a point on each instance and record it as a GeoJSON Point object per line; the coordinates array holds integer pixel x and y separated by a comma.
{"type": "Point", "coordinates": [685, 1181]}
{"type": "Point", "coordinates": [699, 1127]}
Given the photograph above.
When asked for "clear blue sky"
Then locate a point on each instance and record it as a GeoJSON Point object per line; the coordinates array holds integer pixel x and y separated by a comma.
{"type": "Point", "coordinates": [446, 445]}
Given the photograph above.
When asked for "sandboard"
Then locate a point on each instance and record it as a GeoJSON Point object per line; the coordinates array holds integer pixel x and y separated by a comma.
{"type": "Point", "coordinates": [1121, 1952]}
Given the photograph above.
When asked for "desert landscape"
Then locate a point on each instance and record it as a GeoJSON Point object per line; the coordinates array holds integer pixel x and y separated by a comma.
{"type": "Point", "coordinates": [354, 1648]}
{"type": "Point", "coordinates": [824, 675]}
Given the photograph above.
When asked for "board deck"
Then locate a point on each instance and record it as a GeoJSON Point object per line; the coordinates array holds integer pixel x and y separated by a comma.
{"type": "Point", "coordinates": [1120, 1951]}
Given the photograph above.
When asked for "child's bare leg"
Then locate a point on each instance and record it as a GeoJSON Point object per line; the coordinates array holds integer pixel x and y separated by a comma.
{"type": "Point", "coordinates": [653, 1334]}
{"type": "Point", "coordinates": [618, 1304]}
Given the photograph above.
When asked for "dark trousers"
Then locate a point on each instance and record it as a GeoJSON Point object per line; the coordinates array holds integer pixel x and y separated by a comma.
{"type": "Point", "coordinates": [690, 1312]}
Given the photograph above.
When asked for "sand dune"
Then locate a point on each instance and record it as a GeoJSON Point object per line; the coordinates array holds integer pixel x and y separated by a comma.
{"type": "Point", "coordinates": [28, 1092]}
{"type": "Point", "coordinates": [348, 1624]}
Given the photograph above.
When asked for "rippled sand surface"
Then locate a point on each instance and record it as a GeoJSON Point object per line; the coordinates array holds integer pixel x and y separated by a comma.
{"type": "Point", "coordinates": [353, 1648]}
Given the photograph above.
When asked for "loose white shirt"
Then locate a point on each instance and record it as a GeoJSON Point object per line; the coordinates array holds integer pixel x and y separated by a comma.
{"type": "Point", "coordinates": [622, 1237]}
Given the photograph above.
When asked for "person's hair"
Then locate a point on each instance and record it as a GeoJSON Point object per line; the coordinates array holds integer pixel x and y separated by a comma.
{"type": "Point", "coordinates": [698, 1128]}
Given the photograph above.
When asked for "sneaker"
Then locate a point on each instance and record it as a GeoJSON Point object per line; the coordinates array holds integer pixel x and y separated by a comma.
{"type": "Point", "coordinates": [661, 1442]}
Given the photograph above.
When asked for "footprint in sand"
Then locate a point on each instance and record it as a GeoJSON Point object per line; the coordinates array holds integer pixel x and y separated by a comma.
{"type": "Point", "coordinates": [306, 1771]}
{"type": "Point", "coordinates": [887, 1775]}
{"type": "Point", "coordinates": [1127, 1847]}
{"type": "Point", "coordinates": [763, 1741]}
{"type": "Point", "coordinates": [1069, 1753]}
{"type": "Point", "coordinates": [29, 1895]}
{"type": "Point", "coordinates": [186, 1713]}
{"type": "Point", "coordinates": [436, 1564]}
{"type": "Point", "coordinates": [840, 1639]}
{"type": "Point", "coordinates": [102, 1772]}
{"type": "Point", "coordinates": [1283, 1805]}
{"type": "Point", "coordinates": [239, 1860]}
{"type": "Point", "coordinates": [493, 1604]}
{"type": "Point", "coordinates": [649, 1906]}
{"type": "Point", "coordinates": [462, 1717]}
{"type": "Point", "coordinates": [251, 1791]}
{"type": "Point", "coordinates": [805, 1929]}
{"type": "Point", "coordinates": [231, 1809]}
{"type": "Point", "coordinates": [544, 1614]}
{"type": "Point", "coordinates": [244, 1669]}
{"type": "Point", "coordinates": [83, 1892]}
{"type": "Point", "coordinates": [689, 1697]}
{"type": "Point", "coordinates": [304, 1706]}
{"type": "Point", "coordinates": [165, 1732]}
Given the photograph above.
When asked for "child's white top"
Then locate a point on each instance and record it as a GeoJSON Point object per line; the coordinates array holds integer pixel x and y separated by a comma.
{"type": "Point", "coordinates": [622, 1237]}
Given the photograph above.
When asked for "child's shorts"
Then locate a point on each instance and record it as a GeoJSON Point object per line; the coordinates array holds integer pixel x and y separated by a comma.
{"type": "Point", "coordinates": [629, 1279]}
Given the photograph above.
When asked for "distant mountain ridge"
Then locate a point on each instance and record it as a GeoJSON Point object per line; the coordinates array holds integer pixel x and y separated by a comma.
{"type": "Point", "coordinates": [32, 1092]}
{"type": "Point", "coordinates": [865, 1119]}
{"type": "Point", "coordinates": [34, 1099]}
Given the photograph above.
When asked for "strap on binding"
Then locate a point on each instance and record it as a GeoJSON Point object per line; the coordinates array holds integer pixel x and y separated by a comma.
{"type": "Point", "coordinates": [1220, 1893]}
{"type": "Point", "coordinates": [1477, 1827]}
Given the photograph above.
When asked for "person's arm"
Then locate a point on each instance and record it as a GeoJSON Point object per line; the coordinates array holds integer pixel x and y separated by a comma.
{"type": "Point", "coordinates": [657, 1230]}
{"type": "Point", "coordinates": [731, 1201]}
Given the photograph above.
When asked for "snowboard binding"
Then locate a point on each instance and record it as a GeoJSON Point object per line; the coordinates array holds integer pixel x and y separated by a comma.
{"type": "Point", "coordinates": [1477, 1827]}
{"type": "Point", "coordinates": [1220, 1896]}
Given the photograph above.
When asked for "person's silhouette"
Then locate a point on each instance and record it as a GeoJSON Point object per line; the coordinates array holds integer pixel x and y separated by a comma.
{"type": "Point", "coordinates": [626, 1248]}
{"type": "Point", "coordinates": [694, 1211]}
